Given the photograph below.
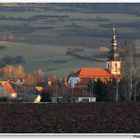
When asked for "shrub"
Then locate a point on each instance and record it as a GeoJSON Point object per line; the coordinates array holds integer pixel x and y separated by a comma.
{"type": "Point", "coordinates": [3, 99]}
{"type": "Point", "coordinates": [46, 95]}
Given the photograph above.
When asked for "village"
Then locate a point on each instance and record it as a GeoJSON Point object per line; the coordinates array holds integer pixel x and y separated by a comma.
{"type": "Point", "coordinates": [69, 68]}
{"type": "Point", "coordinates": [85, 85]}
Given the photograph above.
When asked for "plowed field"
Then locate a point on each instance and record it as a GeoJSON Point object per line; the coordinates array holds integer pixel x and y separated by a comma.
{"type": "Point", "coordinates": [70, 118]}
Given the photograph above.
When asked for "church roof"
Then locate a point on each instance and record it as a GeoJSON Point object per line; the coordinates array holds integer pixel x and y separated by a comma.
{"type": "Point", "coordinates": [93, 73]}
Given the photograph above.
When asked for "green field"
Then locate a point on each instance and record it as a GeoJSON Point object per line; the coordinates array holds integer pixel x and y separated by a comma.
{"type": "Point", "coordinates": [46, 56]}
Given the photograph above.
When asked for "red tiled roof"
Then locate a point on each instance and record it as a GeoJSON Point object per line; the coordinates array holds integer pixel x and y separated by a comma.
{"type": "Point", "coordinates": [8, 87]}
{"type": "Point", "coordinates": [93, 73]}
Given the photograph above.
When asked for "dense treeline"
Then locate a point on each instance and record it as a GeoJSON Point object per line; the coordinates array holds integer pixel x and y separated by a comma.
{"type": "Point", "coordinates": [22, 28]}
{"type": "Point", "coordinates": [9, 60]}
{"type": "Point", "coordinates": [108, 91]}
{"type": "Point", "coordinates": [11, 72]}
{"type": "Point", "coordinates": [103, 91]}
{"type": "Point", "coordinates": [105, 7]}
{"type": "Point", "coordinates": [73, 29]}
{"type": "Point", "coordinates": [135, 24]}
{"type": "Point", "coordinates": [96, 7]}
{"type": "Point", "coordinates": [16, 7]}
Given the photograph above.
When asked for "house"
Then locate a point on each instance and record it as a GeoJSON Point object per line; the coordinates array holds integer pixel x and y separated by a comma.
{"type": "Point", "coordinates": [111, 70]}
{"type": "Point", "coordinates": [78, 94]}
{"type": "Point", "coordinates": [83, 84]}
{"type": "Point", "coordinates": [3, 92]}
{"type": "Point", "coordinates": [7, 90]}
{"type": "Point", "coordinates": [66, 94]}
{"type": "Point", "coordinates": [20, 81]}
{"type": "Point", "coordinates": [37, 99]}
{"type": "Point", "coordinates": [82, 95]}
{"type": "Point", "coordinates": [40, 86]}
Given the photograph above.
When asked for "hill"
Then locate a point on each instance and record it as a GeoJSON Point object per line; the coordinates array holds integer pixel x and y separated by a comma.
{"type": "Point", "coordinates": [52, 59]}
{"type": "Point", "coordinates": [49, 30]}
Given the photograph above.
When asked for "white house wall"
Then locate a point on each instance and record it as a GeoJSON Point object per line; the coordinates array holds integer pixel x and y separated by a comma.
{"type": "Point", "coordinates": [73, 80]}
{"type": "Point", "coordinates": [91, 99]}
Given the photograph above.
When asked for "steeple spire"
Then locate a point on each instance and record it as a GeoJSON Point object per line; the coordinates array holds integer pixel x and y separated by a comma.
{"type": "Point", "coordinates": [114, 52]}
{"type": "Point", "coordinates": [114, 39]}
{"type": "Point", "coordinates": [114, 30]}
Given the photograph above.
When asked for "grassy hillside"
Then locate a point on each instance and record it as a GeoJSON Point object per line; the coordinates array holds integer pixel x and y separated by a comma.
{"type": "Point", "coordinates": [42, 33]}
{"type": "Point", "coordinates": [52, 59]}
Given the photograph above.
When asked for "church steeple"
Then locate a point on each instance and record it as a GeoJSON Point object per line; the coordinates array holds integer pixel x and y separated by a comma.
{"type": "Point", "coordinates": [114, 40]}
{"type": "Point", "coordinates": [113, 62]}
{"type": "Point", "coordinates": [114, 52]}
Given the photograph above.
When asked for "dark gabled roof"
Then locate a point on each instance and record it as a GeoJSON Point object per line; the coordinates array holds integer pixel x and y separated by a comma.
{"type": "Point", "coordinates": [42, 84]}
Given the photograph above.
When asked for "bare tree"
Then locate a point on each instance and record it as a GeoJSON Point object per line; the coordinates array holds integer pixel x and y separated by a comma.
{"type": "Point", "coordinates": [129, 69]}
{"type": "Point", "coordinates": [39, 74]}
{"type": "Point", "coordinates": [29, 80]}
{"type": "Point", "coordinates": [8, 71]}
{"type": "Point", "coordinates": [13, 72]}
{"type": "Point", "coordinates": [19, 71]}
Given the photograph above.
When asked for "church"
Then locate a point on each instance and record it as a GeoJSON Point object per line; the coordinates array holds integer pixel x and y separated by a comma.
{"type": "Point", "coordinates": [112, 68]}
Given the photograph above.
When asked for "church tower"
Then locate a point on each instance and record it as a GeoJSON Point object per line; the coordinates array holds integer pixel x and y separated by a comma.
{"type": "Point", "coordinates": [113, 63]}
